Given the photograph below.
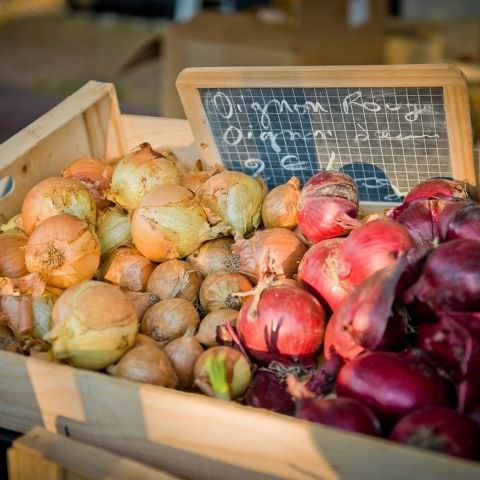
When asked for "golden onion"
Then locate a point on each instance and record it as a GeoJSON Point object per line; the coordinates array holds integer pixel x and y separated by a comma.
{"type": "Point", "coordinates": [280, 205]}
{"type": "Point", "coordinates": [113, 229]}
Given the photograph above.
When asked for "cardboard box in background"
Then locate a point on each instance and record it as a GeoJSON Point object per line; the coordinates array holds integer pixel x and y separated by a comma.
{"type": "Point", "coordinates": [334, 32]}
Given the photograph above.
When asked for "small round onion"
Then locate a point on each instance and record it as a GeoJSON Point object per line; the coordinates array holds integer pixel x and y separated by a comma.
{"type": "Point", "coordinates": [207, 330]}
{"type": "Point", "coordinates": [280, 205]}
{"type": "Point", "coordinates": [222, 372]}
{"type": "Point", "coordinates": [128, 268]}
{"type": "Point", "coordinates": [113, 229]}
{"type": "Point", "coordinates": [175, 279]}
{"type": "Point", "coordinates": [214, 256]}
{"type": "Point", "coordinates": [146, 364]}
{"type": "Point", "coordinates": [170, 319]}
{"type": "Point", "coordinates": [54, 196]}
{"type": "Point", "coordinates": [218, 291]}
{"type": "Point", "coordinates": [139, 173]}
{"type": "Point", "coordinates": [94, 175]}
{"type": "Point", "coordinates": [94, 323]}
{"type": "Point", "coordinates": [12, 255]}
{"type": "Point", "coordinates": [169, 224]}
{"type": "Point", "coordinates": [183, 353]}
{"type": "Point", "coordinates": [64, 250]}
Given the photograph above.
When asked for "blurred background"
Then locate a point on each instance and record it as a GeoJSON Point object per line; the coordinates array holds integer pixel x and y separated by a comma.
{"type": "Point", "coordinates": [49, 48]}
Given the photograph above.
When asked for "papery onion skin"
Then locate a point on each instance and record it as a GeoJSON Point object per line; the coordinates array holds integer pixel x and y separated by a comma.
{"type": "Point", "coordinates": [280, 205]}
{"type": "Point", "coordinates": [274, 250]}
{"type": "Point", "coordinates": [140, 172]}
{"type": "Point", "coordinates": [12, 255]}
{"type": "Point", "coordinates": [146, 364]}
{"type": "Point", "coordinates": [94, 175]}
{"type": "Point", "coordinates": [233, 199]}
{"type": "Point", "coordinates": [170, 319]}
{"type": "Point", "coordinates": [214, 256]}
{"type": "Point", "coordinates": [440, 188]}
{"type": "Point", "coordinates": [113, 229]}
{"type": "Point", "coordinates": [169, 224]}
{"type": "Point", "coordinates": [439, 429]}
{"type": "Point", "coordinates": [183, 353]}
{"type": "Point", "coordinates": [344, 413]}
{"type": "Point", "coordinates": [141, 301]}
{"type": "Point", "coordinates": [460, 220]}
{"type": "Point", "coordinates": [287, 326]}
{"type": "Point", "coordinates": [14, 225]}
{"type": "Point", "coordinates": [128, 268]}
{"type": "Point", "coordinates": [218, 291]}
{"type": "Point", "coordinates": [207, 330]}
{"type": "Point", "coordinates": [372, 247]}
{"type": "Point", "coordinates": [55, 196]}
{"type": "Point", "coordinates": [327, 206]}
{"type": "Point", "coordinates": [64, 250]}
{"type": "Point", "coordinates": [94, 323]}
{"type": "Point", "coordinates": [175, 279]}
{"type": "Point", "coordinates": [42, 313]}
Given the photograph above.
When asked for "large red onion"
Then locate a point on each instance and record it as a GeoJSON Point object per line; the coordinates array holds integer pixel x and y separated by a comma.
{"type": "Point", "coordinates": [372, 247]}
{"type": "Point", "coordinates": [440, 188]}
{"type": "Point", "coordinates": [391, 384]}
{"type": "Point", "coordinates": [327, 206]}
{"type": "Point", "coordinates": [460, 220]}
{"type": "Point", "coordinates": [287, 325]}
{"type": "Point", "coordinates": [344, 413]}
{"type": "Point", "coordinates": [318, 272]}
{"type": "Point", "coordinates": [439, 429]}
{"type": "Point", "coordinates": [451, 277]}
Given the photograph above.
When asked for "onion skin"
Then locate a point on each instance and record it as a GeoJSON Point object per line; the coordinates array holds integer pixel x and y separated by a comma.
{"type": "Point", "coordinates": [113, 229]}
{"type": "Point", "coordinates": [279, 209]}
{"type": "Point", "coordinates": [439, 429]}
{"type": "Point", "coordinates": [207, 330]}
{"type": "Point", "coordinates": [64, 250]}
{"type": "Point", "coordinates": [327, 206]}
{"type": "Point", "coordinates": [391, 384]}
{"type": "Point", "coordinates": [460, 220]}
{"type": "Point", "coordinates": [214, 256]}
{"type": "Point", "coordinates": [344, 413]}
{"type": "Point", "coordinates": [195, 179]}
{"type": "Point", "coordinates": [287, 325]}
{"type": "Point", "coordinates": [141, 301]}
{"type": "Point", "coordinates": [55, 196]}
{"type": "Point", "coordinates": [175, 279]}
{"type": "Point", "coordinates": [440, 188]}
{"type": "Point", "coordinates": [12, 256]}
{"type": "Point", "coordinates": [380, 241]}
{"type": "Point", "coordinates": [218, 291]}
{"type": "Point", "coordinates": [14, 225]}
{"type": "Point", "coordinates": [318, 272]}
{"type": "Point", "coordinates": [85, 338]}
{"type": "Point", "coordinates": [183, 353]}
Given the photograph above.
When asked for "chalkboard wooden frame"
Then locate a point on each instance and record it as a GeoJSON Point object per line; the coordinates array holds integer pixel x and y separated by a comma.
{"type": "Point", "coordinates": [449, 77]}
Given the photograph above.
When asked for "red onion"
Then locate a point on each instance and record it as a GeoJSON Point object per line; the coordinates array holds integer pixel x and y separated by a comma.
{"type": "Point", "coordinates": [327, 206]}
{"type": "Point", "coordinates": [451, 277]}
{"type": "Point", "coordinates": [437, 188]}
{"type": "Point", "coordinates": [371, 247]}
{"type": "Point", "coordinates": [268, 391]}
{"type": "Point", "coordinates": [318, 272]}
{"type": "Point", "coordinates": [391, 384]}
{"type": "Point", "coordinates": [323, 379]}
{"type": "Point", "coordinates": [439, 429]}
{"type": "Point", "coordinates": [344, 413]}
{"type": "Point", "coordinates": [460, 220]}
{"type": "Point", "coordinates": [286, 325]}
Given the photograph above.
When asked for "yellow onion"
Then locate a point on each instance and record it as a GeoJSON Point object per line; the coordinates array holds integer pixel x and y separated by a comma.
{"type": "Point", "coordinates": [222, 372]}
{"type": "Point", "coordinates": [94, 175]}
{"type": "Point", "coordinates": [170, 319]}
{"type": "Point", "coordinates": [142, 339]}
{"type": "Point", "coordinates": [146, 364]}
{"type": "Point", "coordinates": [140, 172]}
{"type": "Point", "coordinates": [54, 196]}
{"type": "Point", "coordinates": [12, 255]}
{"type": "Point", "coordinates": [272, 251]}
{"type": "Point", "coordinates": [94, 323]}
{"type": "Point", "coordinates": [113, 229]}
{"type": "Point", "coordinates": [213, 257]}
{"type": "Point", "coordinates": [64, 250]}
{"type": "Point", "coordinates": [42, 313]}
{"type": "Point", "coordinates": [141, 301]}
{"type": "Point", "coordinates": [193, 180]}
{"type": "Point", "coordinates": [170, 224]}
{"type": "Point", "coordinates": [14, 225]}
{"type": "Point", "coordinates": [207, 330]}
{"type": "Point", "coordinates": [183, 353]}
{"type": "Point", "coordinates": [234, 199]}
{"type": "Point", "coordinates": [218, 291]}
{"type": "Point", "coordinates": [280, 205]}
{"type": "Point", "coordinates": [175, 279]}
{"type": "Point", "coordinates": [128, 268]}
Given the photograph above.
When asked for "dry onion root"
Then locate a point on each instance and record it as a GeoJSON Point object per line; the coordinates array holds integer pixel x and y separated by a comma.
{"type": "Point", "coordinates": [183, 353]}
{"type": "Point", "coordinates": [214, 256]}
{"type": "Point", "coordinates": [113, 229]}
{"type": "Point", "coordinates": [218, 291]}
{"type": "Point", "coordinates": [279, 208]}
{"type": "Point", "coordinates": [207, 330]}
{"type": "Point", "coordinates": [12, 255]}
{"type": "Point", "coordinates": [175, 279]}
{"type": "Point", "coordinates": [64, 250]}
{"type": "Point", "coordinates": [170, 319]}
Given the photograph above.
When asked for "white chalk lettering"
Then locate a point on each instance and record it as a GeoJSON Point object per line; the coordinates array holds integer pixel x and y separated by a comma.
{"type": "Point", "coordinates": [363, 136]}
{"type": "Point", "coordinates": [232, 135]}
{"type": "Point", "coordinates": [355, 99]}
{"type": "Point", "coordinates": [255, 164]}
{"type": "Point", "coordinates": [291, 163]}
{"type": "Point", "coordinates": [416, 111]}
{"type": "Point", "coordinates": [223, 105]}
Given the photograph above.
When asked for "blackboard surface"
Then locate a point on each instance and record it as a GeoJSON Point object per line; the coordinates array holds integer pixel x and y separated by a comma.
{"type": "Point", "coordinates": [387, 138]}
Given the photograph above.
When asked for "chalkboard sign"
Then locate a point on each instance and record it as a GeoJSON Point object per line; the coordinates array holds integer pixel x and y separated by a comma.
{"type": "Point", "coordinates": [388, 135]}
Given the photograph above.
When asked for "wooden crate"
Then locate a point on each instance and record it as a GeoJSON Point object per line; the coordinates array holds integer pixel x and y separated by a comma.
{"type": "Point", "coordinates": [187, 434]}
